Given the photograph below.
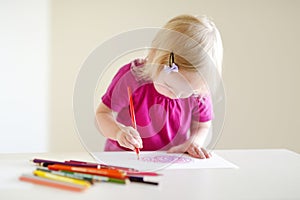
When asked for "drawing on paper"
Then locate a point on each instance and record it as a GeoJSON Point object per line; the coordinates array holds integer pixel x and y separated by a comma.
{"type": "Point", "coordinates": [166, 159]}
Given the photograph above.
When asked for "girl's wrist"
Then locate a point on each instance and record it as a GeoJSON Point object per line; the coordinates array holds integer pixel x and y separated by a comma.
{"type": "Point", "coordinates": [118, 131]}
{"type": "Point", "coordinates": [196, 140]}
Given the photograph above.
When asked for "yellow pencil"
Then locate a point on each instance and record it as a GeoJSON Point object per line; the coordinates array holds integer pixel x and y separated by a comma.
{"type": "Point", "coordinates": [61, 178]}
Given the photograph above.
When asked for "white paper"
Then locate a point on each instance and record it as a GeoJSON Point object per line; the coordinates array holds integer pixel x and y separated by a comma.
{"type": "Point", "coordinates": [158, 160]}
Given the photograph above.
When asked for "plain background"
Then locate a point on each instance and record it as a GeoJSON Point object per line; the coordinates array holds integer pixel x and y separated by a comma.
{"type": "Point", "coordinates": [261, 63]}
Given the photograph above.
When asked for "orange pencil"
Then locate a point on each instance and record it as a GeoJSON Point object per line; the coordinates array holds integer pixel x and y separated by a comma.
{"type": "Point", "coordinates": [132, 114]}
{"type": "Point", "coordinates": [112, 173]}
{"type": "Point", "coordinates": [52, 183]}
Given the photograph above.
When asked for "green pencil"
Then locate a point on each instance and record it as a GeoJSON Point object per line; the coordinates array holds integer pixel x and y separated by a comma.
{"type": "Point", "coordinates": [98, 178]}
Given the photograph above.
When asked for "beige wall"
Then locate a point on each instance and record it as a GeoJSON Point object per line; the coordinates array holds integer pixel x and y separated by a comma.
{"type": "Point", "coordinates": [261, 62]}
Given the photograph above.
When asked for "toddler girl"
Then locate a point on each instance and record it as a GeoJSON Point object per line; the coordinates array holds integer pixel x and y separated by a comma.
{"type": "Point", "coordinates": [172, 103]}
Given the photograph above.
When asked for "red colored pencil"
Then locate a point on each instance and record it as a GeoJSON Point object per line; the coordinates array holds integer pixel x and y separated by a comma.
{"type": "Point", "coordinates": [112, 173]}
{"type": "Point", "coordinates": [132, 114]}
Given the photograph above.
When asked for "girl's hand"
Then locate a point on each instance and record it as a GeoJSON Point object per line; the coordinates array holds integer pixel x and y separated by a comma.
{"type": "Point", "coordinates": [128, 137]}
{"type": "Point", "coordinates": [192, 149]}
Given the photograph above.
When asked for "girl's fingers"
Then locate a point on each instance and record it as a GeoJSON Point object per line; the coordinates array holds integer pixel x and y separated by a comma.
{"type": "Point", "coordinates": [127, 144]}
{"type": "Point", "coordinates": [133, 131]}
{"type": "Point", "coordinates": [192, 152]}
{"type": "Point", "coordinates": [196, 152]}
{"type": "Point", "coordinates": [125, 139]}
{"type": "Point", "coordinates": [139, 141]}
{"type": "Point", "coordinates": [135, 134]}
{"type": "Point", "coordinates": [199, 153]}
{"type": "Point", "coordinates": [133, 142]}
{"type": "Point", "coordinates": [207, 155]}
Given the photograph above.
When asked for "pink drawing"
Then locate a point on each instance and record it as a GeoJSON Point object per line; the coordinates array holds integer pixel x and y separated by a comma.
{"type": "Point", "coordinates": [166, 159]}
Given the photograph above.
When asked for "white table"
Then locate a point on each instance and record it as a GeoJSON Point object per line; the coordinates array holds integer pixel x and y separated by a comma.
{"type": "Point", "coordinates": [262, 174]}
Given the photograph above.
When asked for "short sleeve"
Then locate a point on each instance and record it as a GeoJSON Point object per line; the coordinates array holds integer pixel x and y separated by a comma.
{"type": "Point", "coordinates": [203, 110]}
{"type": "Point", "coordinates": [116, 96]}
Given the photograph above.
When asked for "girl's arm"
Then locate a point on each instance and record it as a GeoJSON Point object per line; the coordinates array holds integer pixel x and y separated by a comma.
{"type": "Point", "coordinates": [126, 136]}
{"type": "Point", "coordinates": [199, 131]}
{"type": "Point", "coordinates": [194, 145]}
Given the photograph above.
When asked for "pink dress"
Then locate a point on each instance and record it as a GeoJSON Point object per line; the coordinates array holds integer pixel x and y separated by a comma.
{"type": "Point", "coordinates": [162, 122]}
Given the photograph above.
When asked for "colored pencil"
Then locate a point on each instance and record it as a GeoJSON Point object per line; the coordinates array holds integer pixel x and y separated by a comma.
{"type": "Point", "coordinates": [141, 180]}
{"type": "Point", "coordinates": [51, 183]}
{"type": "Point", "coordinates": [142, 174]}
{"type": "Point", "coordinates": [66, 174]}
{"type": "Point", "coordinates": [132, 114]}
{"type": "Point", "coordinates": [104, 166]}
{"type": "Point", "coordinates": [55, 177]}
{"type": "Point", "coordinates": [97, 178]}
{"type": "Point", "coordinates": [112, 173]}
{"type": "Point", "coordinates": [45, 163]}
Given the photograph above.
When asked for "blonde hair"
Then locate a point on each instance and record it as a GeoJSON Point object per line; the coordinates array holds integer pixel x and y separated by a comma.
{"type": "Point", "coordinates": [195, 42]}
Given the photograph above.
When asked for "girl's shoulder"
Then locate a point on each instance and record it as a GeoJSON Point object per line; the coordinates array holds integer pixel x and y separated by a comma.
{"type": "Point", "coordinates": [201, 99]}
{"type": "Point", "coordinates": [127, 68]}
{"type": "Point", "coordinates": [125, 76]}
{"type": "Point", "coordinates": [139, 62]}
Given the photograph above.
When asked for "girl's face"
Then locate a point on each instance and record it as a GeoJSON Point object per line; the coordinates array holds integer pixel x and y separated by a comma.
{"type": "Point", "coordinates": [181, 84]}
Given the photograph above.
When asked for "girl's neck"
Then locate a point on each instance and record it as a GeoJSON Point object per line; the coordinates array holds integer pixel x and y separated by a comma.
{"type": "Point", "coordinates": [164, 90]}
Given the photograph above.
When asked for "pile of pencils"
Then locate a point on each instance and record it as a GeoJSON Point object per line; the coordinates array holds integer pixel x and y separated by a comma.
{"type": "Point", "coordinates": [78, 176]}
